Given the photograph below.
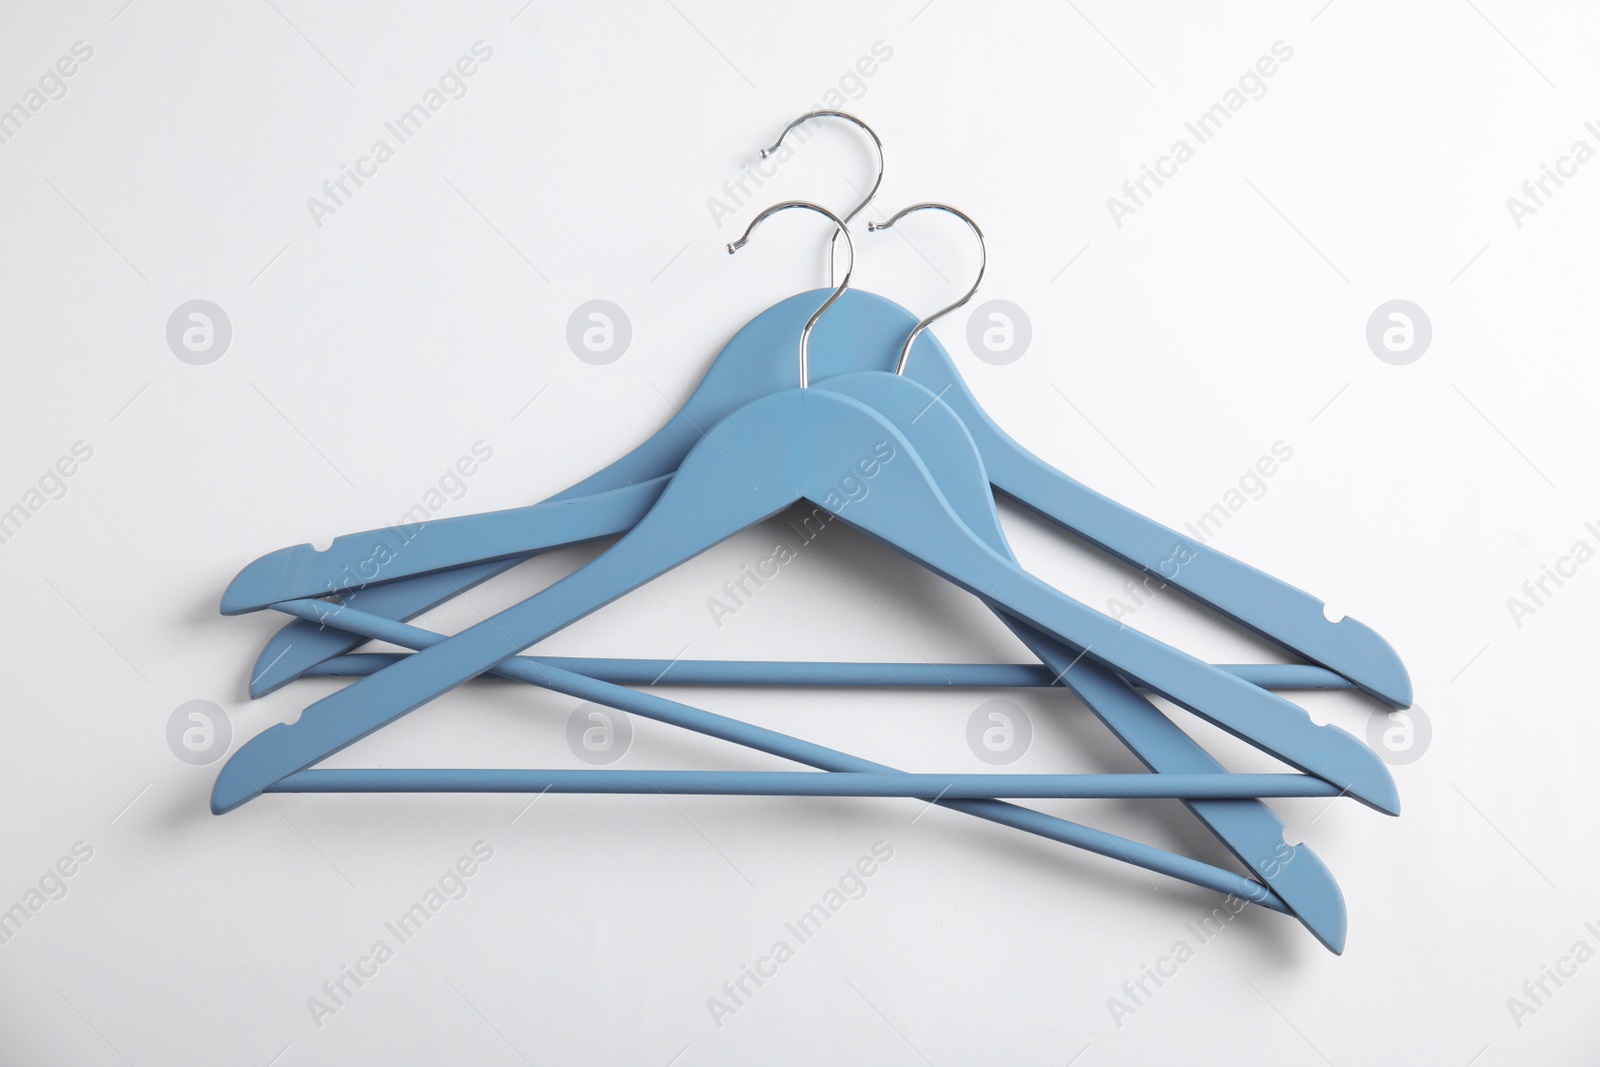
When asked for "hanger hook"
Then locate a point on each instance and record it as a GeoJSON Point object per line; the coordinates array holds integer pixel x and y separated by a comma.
{"type": "Point", "coordinates": [877, 144]}
{"type": "Point", "coordinates": [839, 228]}
{"type": "Point", "coordinates": [983, 264]}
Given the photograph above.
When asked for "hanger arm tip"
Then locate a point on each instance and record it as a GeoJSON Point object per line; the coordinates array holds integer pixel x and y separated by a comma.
{"type": "Point", "coordinates": [245, 775]}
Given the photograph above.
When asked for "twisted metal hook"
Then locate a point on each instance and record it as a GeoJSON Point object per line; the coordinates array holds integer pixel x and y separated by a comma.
{"type": "Point", "coordinates": [877, 143]}
{"type": "Point", "coordinates": [840, 228]}
{"type": "Point", "coordinates": [983, 264]}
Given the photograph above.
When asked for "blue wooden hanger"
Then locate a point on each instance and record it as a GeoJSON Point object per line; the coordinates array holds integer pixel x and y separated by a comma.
{"type": "Point", "coordinates": [933, 430]}
{"type": "Point", "coordinates": [1249, 829]}
{"type": "Point", "coordinates": [305, 647]}
{"type": "Point", "coordinates": [853, 777]}
{"type": "Point", "coordinates": [862, 331]}
{"type": "Point", "coordinates": [798, 445]}
{"type": "Point", "coordinates": [1320, 906]}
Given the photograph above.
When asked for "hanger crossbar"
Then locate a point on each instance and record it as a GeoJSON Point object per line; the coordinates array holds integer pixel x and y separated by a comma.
{"type": "Point", "coordinates": [1275, 676]}
{"type": "Point", "coordinates": [808, 784]}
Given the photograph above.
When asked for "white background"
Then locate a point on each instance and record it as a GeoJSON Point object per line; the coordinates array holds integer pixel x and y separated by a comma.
{"type": "Point", "coordinates": [1168, 354]}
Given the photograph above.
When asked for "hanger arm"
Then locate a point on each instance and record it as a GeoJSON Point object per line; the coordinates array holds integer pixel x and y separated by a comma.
{"type": "Point", "coordinates": [1269, 606]}
{"type": "Point", "coordinates": [357, 560]}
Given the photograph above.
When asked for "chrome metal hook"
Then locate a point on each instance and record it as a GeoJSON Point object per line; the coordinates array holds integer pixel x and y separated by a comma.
{"type": "Point", "coordinates": [983, 264]}
{"type": "Point", "coordinates": [876, 142]}
{"type": "Point", "coordinates": [805, 332]}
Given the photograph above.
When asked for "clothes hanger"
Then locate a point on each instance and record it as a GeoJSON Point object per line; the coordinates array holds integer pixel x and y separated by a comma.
{"type": "Point", "coordinates": [1316, 902]}
{"type": "Point", "coordinates": [1278, 858]}
{"type": "Point", "coordinates": [552, 677]}
{"type": "Point", "coordinates": [1250, 830]}
{"type": "Point", "coordinates": [1302, 863]}
{"type": "Point", "coordinates": [858, 331]}
{"type": "Point", "coordinates": [795, 445]}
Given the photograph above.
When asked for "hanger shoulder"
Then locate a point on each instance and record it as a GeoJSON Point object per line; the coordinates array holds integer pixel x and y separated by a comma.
{"type": "Point", "coordinates": [1252, 714]}
{"type": "Point", "coordinates": [1267, 605]}
{"type": "Point", "coordinates": [358, 560]}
